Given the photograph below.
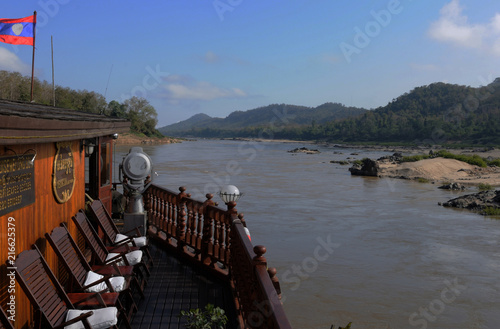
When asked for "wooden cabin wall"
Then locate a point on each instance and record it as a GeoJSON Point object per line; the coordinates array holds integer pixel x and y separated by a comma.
{"type": "Point", "coordinates": [33, 221]}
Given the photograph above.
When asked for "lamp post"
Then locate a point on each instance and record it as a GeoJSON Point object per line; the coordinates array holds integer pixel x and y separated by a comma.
{"type": "Point", "coordinates": [230, 194]}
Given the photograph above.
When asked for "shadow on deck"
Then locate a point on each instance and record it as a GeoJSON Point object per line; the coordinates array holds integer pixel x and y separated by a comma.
{"type": "Point", "coordinates": [173, 287]}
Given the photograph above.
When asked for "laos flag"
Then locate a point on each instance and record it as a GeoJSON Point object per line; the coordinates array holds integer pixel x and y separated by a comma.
{"type": "Point", "coordinates": [17, 31]}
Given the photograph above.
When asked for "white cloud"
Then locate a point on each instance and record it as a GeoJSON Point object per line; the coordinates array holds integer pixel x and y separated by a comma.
{"type": "Point", "coordinates": [495, 23]}
{"type": "Point", "coordinates": [454, 27]}
{"type": "Point", "coordinates": [179, 87]}
{"type": "Point", "coordinates": [10, 62]}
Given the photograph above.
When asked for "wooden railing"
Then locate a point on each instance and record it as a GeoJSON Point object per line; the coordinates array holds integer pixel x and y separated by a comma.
{"type": "Point", "coordinates": [215, 240]}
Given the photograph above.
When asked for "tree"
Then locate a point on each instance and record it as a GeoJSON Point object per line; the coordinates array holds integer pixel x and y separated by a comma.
{"type": "Point", "coordinates": [142, 115]}
{"type": "Point", "coordinates": [116, 109]}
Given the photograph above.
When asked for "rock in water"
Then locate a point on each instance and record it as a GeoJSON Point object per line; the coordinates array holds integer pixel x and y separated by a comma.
{"type": "Point", "coordinates": [453, 187]}
{"type": "Point", "coordinates": [476, 202]}
{"type": "Point", "coordinates": [304, 150]}
{"type": "Point", "coordinates": [368, 167]}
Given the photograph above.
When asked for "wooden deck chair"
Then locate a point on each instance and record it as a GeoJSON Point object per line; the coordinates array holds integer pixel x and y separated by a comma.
{"type": "Point", "coordinates": [4, 320]}
{"type": "Point", "coordinates": [102, 256]}
{"type": "Point", "coordinates": [83, 278]}
{"type": "Point", "coordinates": [113, 236]}
{"type": "Point", "coordinates": [53, 307]}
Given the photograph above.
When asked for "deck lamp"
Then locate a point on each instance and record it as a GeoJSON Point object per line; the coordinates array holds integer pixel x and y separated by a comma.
{"type": "Point", "coordinates": [89, 147]}
{"type": "Point", "coordinates": [230, 193]}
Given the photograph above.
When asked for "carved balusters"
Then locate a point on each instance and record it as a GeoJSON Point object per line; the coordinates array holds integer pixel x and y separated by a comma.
{"type": "Point", "coordinates": [227, 239]}
{"type": "Point", "coordinates": [207, 241]}
{"type": "Point", "coordinates": [189, 220]}
{"type": "Point", "coordinates": [199, 224]}
{"type": "Point", "coordinates": [217, 237]}
{"type": "Point", "coordinates": [170, 215]}
{"type": "Point", "coordinates": [181, 218]}
{"type": "Point", "coordinates": [151, 204]}
{"type": "Point", "coordinates": [162, 220]}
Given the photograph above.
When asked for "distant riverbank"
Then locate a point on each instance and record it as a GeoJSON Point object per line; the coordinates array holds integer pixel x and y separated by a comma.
{"type": "Point", "coordinates": [131, 139]}
{"type": "Point", "coordinates": [482, 151]}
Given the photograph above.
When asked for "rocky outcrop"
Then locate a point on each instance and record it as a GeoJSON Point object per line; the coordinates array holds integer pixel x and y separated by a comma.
{"type": "Point", "coordinates": [367, 167]}
{"type": "Point", "coordinates": [304, 150]}
{"type": "Point", "coordinates": [476, 202]}
{"type": "Point", "coordinates": [453, 187]}
{"type": "Point", "coordinates": [395, 158]}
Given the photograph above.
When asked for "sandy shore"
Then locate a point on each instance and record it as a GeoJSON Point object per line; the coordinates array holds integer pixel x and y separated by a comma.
{"type": "Point", "coordinates": [441, 170]}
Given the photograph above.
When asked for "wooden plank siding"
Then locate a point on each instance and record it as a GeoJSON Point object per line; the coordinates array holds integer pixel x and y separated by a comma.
{"type": "Point", "coordinates": [25, 126]}
{"type": "Point", "coordinates": [33, 221]}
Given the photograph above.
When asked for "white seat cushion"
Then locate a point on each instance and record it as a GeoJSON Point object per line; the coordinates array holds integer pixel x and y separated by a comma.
{"type": "Point", "coordinates": [133, 257]}
{"type": "Point", "coordinates": [139, 241]}
{"type": "Point", "coordinates": [102, 318]}
{"type": "Point", "coordinates": [117, 282]}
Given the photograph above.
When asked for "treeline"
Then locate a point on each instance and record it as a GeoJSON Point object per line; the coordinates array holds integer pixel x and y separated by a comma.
{"type": "Point", "coordinates": [435, 114]}
{"type": "Point", "coordinates": [143, 116]}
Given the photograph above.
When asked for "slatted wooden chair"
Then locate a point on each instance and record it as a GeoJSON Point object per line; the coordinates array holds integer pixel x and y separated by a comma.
{"type": "Point", "coordinates": [102, 256]}
{"type": "Point", "coordinates": [112, 235]}
{"type": "Point", "coordinates": [53, 307]}
{"type": "Point", "coordinates": [83, 278]}
{"type": "Point", "coordinates": [4, 320]}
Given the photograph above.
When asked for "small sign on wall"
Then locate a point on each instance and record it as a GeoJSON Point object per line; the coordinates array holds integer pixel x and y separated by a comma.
{"type": "Point", "coordinates": [63, 181]}
{"type": "Point", "coordinates": [17, 183]}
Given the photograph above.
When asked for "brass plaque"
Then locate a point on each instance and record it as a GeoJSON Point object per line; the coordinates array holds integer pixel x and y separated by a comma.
{"type": "Point", "coordinates": [17, 183]}
{"type": "Point", "coordinates": [63, 181]}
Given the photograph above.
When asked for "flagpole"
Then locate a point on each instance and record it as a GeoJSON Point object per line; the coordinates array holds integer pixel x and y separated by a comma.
{"type": "Point", "coordinates": [33, 59]}
{"type": "Point", "coordinates": [53, 84]}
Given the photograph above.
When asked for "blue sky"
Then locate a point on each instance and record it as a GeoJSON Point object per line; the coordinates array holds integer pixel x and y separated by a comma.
{"type": "Point", "coordinates": [219, 56]}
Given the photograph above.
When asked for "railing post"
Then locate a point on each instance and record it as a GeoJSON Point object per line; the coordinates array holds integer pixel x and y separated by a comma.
{"type": "Point", "coordinates": [259, 259]}
{"type": "Point", "coordinates": [231, 209]}
{"type": "Point", "coordinates": [181, 219]}
{"type": "Point", "coordinates": [274, 278]}
{"type": "Point", "coordinates": [240, 216]}
{"type": "Point", "coordinates": [206, 243]}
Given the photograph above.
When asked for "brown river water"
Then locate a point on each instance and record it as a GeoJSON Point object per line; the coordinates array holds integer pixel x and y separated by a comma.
{"type": "Point", "coordinates": [380, 253]}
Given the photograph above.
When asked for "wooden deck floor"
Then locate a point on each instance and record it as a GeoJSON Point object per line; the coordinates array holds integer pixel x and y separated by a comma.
{"type": "Point", "coordinates": [174, 286]}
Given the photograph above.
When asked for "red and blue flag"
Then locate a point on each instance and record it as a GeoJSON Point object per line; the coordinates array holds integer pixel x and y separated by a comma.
{"type": "Point", "coordinates": [18, 31]}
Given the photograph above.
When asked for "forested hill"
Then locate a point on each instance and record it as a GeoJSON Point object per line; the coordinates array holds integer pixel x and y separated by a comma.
{"type": "Point", "coordinates": [275, 116]}
{"type": "Point", "coordinates": [435, 114]}
{"type": "Point", "coordinates": [438, 113]}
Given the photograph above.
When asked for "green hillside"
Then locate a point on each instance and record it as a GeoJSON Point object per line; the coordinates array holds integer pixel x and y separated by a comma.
{"type": "Point", "coordinates": [275, 116]}
{"type": "Point", "coordinates": [435, 114]}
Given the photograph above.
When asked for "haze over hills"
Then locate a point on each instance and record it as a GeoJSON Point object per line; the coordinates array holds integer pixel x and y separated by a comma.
{"type": "Point", "coordinates": [439, 113]}
{"type": "Point", "coordinates": [276, 115]}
